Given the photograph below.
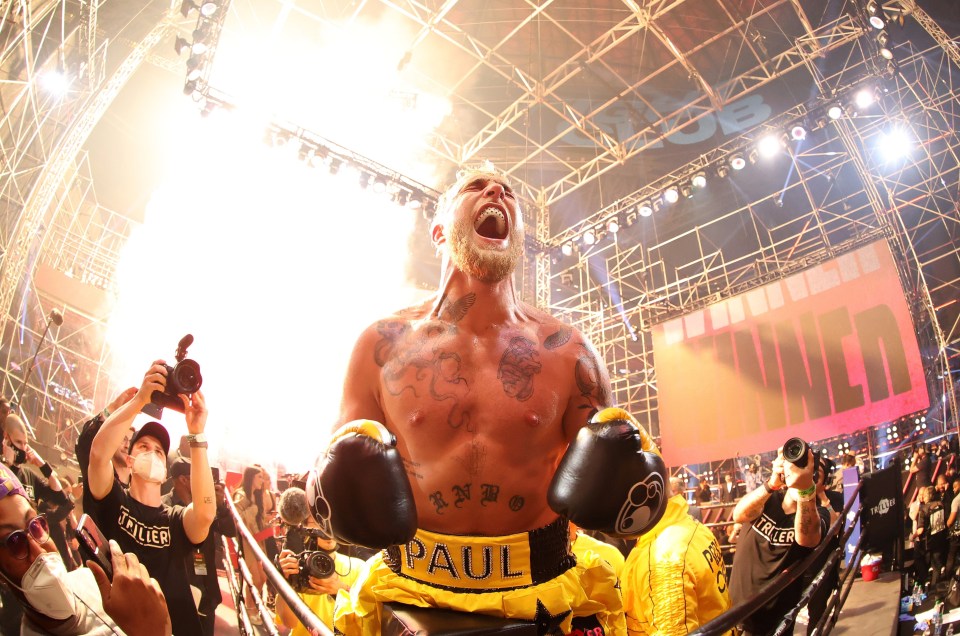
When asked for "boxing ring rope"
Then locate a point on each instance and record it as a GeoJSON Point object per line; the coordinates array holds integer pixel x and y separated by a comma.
{"type": "Point", "coordinates": [736, 615]}
{"type": "Point", "coordinates": [290, 597]}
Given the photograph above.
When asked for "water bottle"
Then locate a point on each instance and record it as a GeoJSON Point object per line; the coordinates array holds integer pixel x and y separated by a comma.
{"type": "Point", "coordinates": [937, 619]}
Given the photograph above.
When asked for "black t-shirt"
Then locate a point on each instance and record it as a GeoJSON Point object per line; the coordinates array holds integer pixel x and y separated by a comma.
{"type": "Point", "coordinates": [766, 547]}
{"type": "Point", "coordinates": [37, 487]}
{"type": "Point", "coordinates": [157, 537]}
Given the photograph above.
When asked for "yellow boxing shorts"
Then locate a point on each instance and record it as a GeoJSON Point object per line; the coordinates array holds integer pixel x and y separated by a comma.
{"type": "Point", "coordinates": [529, 575]}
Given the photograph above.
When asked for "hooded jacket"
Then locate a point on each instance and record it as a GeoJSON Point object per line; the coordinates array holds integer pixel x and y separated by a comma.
{"type": "Point", "coordinates": [674, 579]}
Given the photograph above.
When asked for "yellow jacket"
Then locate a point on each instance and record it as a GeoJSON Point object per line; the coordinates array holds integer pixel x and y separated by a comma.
{"type": "Point", "coordinates": [674, 579]}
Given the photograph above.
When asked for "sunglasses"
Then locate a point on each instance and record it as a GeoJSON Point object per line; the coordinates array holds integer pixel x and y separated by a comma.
{"type": "Point", "coordinates": [18, 543]}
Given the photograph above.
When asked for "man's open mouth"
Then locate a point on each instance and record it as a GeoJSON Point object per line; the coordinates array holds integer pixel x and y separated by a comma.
{"type": "Point", "coordinates": [491, 223]}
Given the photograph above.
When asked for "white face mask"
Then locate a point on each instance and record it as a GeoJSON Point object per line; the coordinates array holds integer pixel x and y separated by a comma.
{"type": "Point", "coordinates": [150, 467]}
{"type": "Point", "coordinates": [45, 589]}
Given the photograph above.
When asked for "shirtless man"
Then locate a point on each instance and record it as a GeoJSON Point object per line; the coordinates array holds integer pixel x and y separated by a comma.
{"type": "Point", "coordinates": [484, 394]}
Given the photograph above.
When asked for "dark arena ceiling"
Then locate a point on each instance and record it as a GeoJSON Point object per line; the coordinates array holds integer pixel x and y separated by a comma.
{"type": "Point", "coordinates": [594, 110]}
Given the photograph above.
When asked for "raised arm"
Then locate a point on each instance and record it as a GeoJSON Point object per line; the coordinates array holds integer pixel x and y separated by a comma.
{"type": "Point", "coordinates": [751, 505]}
{"type": "Point", "coordinates": [807, 522]}
{"type": "Point", "coordinates": [110, 435]}
{"type": "Point", "coordinates": [202, 510]}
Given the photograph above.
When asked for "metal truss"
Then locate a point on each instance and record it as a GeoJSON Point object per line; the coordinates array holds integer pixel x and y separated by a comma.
{"type": "Point", "coordinates": [50, 222]}
{"type": "Point", "coordinates": [841, 193]}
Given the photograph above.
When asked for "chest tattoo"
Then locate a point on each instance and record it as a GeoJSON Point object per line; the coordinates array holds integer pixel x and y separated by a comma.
{"type": "Point", "coordinates": [417, 360]}
{"type": "Point", "coordinates": [520, 362]}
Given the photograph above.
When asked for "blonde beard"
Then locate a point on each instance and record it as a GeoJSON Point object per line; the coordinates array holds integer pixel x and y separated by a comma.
{"type": "Point", "coordinates": [489, 266]}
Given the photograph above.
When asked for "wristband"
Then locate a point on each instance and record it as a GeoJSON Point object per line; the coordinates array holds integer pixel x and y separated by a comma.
{"type": "Point", "coordinates": [198, 444]}
{"type": "Point", "coordinates": [106, 413]}
{"type": "Point", "coordinates": [196, 437]}
{"type": "Point", "coordinates": [808, 494]}
{"type": "Point", "coordinates": [46, 470]}
{"type": "Point", "coordinates": [767, 487]}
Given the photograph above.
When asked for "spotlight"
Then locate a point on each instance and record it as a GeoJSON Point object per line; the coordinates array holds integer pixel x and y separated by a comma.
{"type": "Point", "coordinates": [723, 171]}
{"type": "Point", "coordinates": [737, 162]}
{"type": "Point", "coordinates": [768, 146]}
{"type": "Point", "coordinates": [590, 237]}
{"type": "Point", "coordinates": [798, 133]}
{"type": "Point", "coordinates": [613, 225]}
{"type": "Point", "coordinates": [401, 198]}
{"type": "Point", "coordinates": [686, 191]}
{"type": "Point", "coordinates": [923, 419]}
{"type": "Point", "coordinates": [835, 112]}
{"type": "Point", "coordinates": [567, 249]}
{"type": "Point", "coordinates": [207, 9]}
{"type": "Point", "coordinates": [886, 45]}
{"type": "Point", "coordinates": [699, 180]}
{"type": "Point", "coordinates": [863, 99]}
{"type": "Point", "coordinates": [56, 83]}
{"type": "Point", "coordinates": [894, 144]}
{"type": "Point", "coordinates": [645, 209]}
{"type": "Point", "coordinates": [180, 44]}
{"type": "Point", "coordinates": [194, 70]}
{"type": "Point", "coordinates": [671, 194]}
{"type": "Point", "coordinates": [379, 185]}
{"type": "Point", "coordinates": [875, 14]}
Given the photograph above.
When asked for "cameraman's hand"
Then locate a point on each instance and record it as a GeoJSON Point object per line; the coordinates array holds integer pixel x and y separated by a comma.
{"type": "Point", "coordinates": [288, 563]}
{"type": "Point", "coordinates": [776, 480]}
{"type": "Point", "coordinates": [195, 412]}
{"type": "Point", "coordinates": [800, 478]}
{"type": "Point", "coordinates": [133, 599]}
{"type": "Point", "coordinates": [155, 379]}
{"type": "Point", "coordinates": [122, 399]}
{"type": "Point", "coordinates": [32, 456]}
{"type": "Point", "coordinates": [330, 585]}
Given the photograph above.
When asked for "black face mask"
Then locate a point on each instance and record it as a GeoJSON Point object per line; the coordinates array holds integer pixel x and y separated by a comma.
{"type": "Point", "coordinates": [19, 456]}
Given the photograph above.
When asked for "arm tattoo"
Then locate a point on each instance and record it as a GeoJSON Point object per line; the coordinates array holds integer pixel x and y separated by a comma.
{"type": "Point", "coordinates": [590, 382]}
{"type": "Point", "coordinates": [520, 362]}
{"type": "Point", "coordinates": [455, 311]}
{"type": "Point", "coordinates": [751, 506]}
{"type": "Point", "coordinates": [208, 500]}
{"type": "Point", "coordinates": [559, 338]}
{"type": "Point", "coordinates": [808, 520]}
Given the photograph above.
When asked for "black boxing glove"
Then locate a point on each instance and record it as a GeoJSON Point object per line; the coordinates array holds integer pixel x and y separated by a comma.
{"type": "Point", "coordinates": [359, 493]}
{"type": "Point", "coordinates": [611, 478]}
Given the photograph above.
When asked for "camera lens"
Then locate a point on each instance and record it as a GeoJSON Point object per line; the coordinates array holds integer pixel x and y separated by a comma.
{"type": "Point", "coordinates": [795, 451]}
{"type": "Point", "coordinates": [320, 565]}
{"type": "Point", "coordinates": [186, 377]}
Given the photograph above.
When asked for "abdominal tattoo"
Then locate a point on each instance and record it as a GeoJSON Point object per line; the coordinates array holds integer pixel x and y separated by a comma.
{"type": "Point", "coordinates": [520, 362]}
{"type": "Point", "coordinates": [461, 493]}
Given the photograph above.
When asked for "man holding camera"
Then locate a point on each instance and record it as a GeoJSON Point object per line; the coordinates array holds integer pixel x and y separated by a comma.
{"type": "Point", "coordinates": [782, 524]}
{"type": "Point", "coordinates": [310, 561]}
{"type": "Point", "coordinates": [201, 561]}
{"type": "Point", "coordinates": [136, 518]}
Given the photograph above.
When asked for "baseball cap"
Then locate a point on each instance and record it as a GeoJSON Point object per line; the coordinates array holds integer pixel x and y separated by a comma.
{"type": "Point", "coordinates": [180, 466]}
{"type": "Point", "coordinates": [155, 430]}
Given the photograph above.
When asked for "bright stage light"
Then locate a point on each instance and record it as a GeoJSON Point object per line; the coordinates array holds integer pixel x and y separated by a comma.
{"type": "Point", "coordinates": [835, 112]}
{"type": "Point", "coordinates": [567, 249]}
{"type": "Point", "coordinates": [671, 194]}
{"type": "Point", "coordinates": [699, 180]}
{"type": "Point", "coordinates": [864, 98]}
{"type": "Point", "coordinates": [55, 83]}
{"type": "Point", "coordinates": [645, 209]}
{"type": "Point", "coordinates": [875, 14]}
{"type": "Point", "coordinates": [589, 237]}
{"type": "Point", "coordinates": [737, 162]}
{"type": "Point", "coordinates": [768, 146]}
{"type": "Point", "coordinates": [798, 133]}
{"type": "Point", "coordinates": [894, 144]}
{"type": "Point", "coordinates": [613, 225]}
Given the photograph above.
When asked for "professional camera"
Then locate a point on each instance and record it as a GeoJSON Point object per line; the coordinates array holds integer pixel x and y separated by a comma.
{"type": "Point", "coordinates": [182, 379]}
{"type": "Point", "coordinates": [310, 561]}
{"type": "Point", "coordinates": [795, 452]}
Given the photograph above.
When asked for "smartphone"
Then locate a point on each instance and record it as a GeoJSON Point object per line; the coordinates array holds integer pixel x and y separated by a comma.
{"type": "Point", "coordinates": [93, 545]}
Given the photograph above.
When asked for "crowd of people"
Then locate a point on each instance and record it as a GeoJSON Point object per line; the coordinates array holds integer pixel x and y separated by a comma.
{"type": "Point", "coordinates": [480, 424]}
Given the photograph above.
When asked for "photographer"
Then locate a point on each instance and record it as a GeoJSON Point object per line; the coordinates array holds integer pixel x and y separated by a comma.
{"type": "Point", "coordinates": [782, 523]}
{"type": "Point", "coordinates": [135, 518]}
{"type": "Point", "coordinates": [306, 553]}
